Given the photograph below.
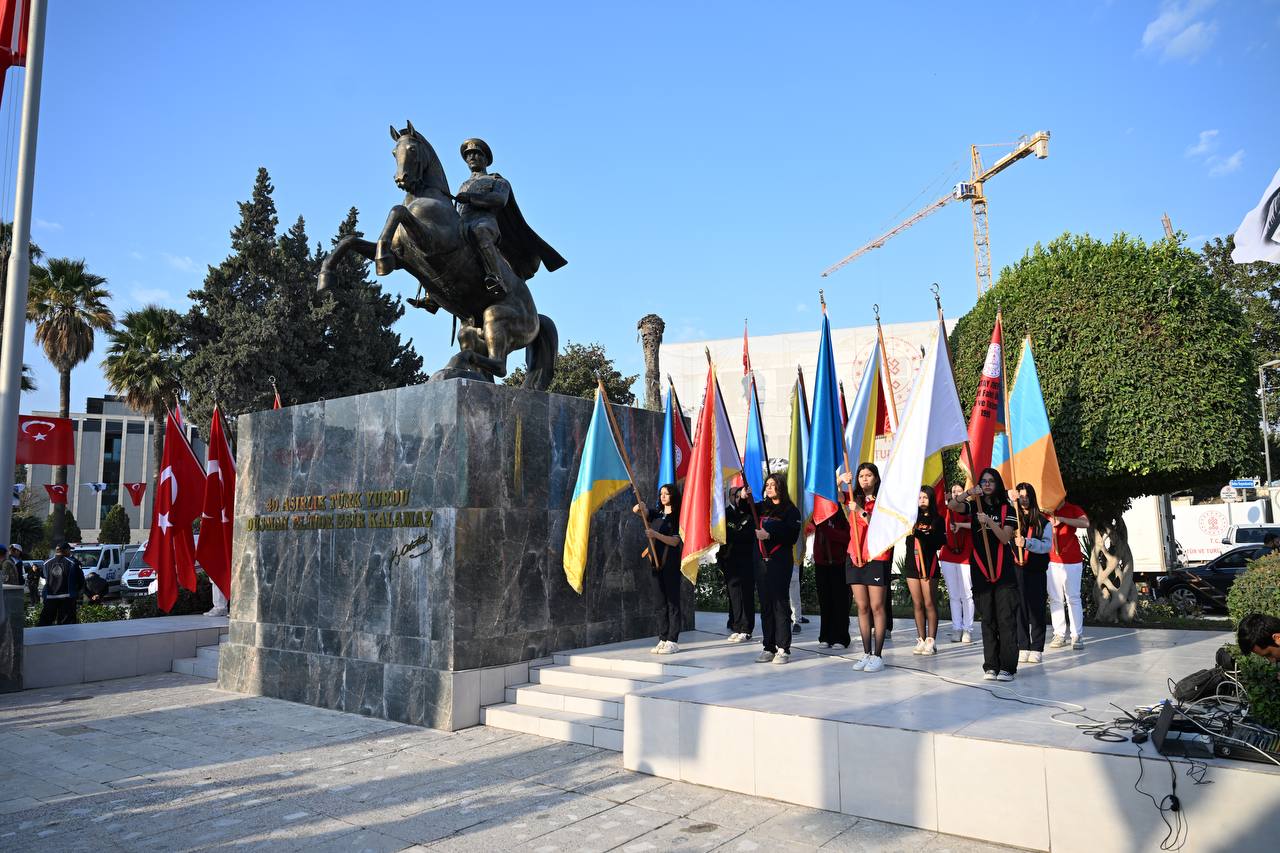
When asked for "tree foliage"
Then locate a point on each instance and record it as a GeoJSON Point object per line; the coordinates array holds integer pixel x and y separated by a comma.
{"type": "Point", "coordinates": [144, 363]}
{"type": "Point", "coordinates": [70, 532]}
{"type": "Point", "coordinates": [115, 527]}
{"type": "Point", "coordinates": [258, 316]}
{"type": "Point", "coordinates": [577, 366]}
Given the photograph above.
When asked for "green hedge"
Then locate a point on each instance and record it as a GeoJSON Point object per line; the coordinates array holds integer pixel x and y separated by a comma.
{"type": "Point", "coordinates": [1258, 591]}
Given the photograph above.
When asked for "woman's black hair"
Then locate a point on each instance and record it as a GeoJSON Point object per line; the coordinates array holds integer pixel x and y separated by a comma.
{"type": "Point", "coordinates": [780, 486]}
{"type": "Point", "coordinates": [999, 496]}
{"type": "Point", "coordinates": [859, 496]}
{"type": "Point", "coordinates": [675, 498]}
{"type": "Point", "coordinates": [1033, 519]}
{"type": "Point", "coordinates": [929, 514]}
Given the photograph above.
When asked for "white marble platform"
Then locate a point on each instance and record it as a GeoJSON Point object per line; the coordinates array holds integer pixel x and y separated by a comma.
{"type": "Point", "coordinates": [927, 743]}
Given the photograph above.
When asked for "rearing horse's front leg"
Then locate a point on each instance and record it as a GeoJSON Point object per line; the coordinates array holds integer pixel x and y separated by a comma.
{"type": "Point", "coordinates": [350, 243]}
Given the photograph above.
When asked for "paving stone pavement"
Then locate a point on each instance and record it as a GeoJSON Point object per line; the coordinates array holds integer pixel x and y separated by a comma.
{"type": "Point", "coordinates": [170, 763]}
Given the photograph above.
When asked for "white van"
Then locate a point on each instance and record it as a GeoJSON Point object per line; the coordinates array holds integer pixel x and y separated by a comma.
{"type": "Point", "coordinates": [1249, 534]}
{"type": "Point", "coordinates": [105, 561]}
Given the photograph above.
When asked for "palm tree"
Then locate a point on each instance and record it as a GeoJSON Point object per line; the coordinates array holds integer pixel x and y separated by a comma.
{"type": "Point", "coordinates": [67, 303]}
{"type": "Point", "coordinates": [143, 362]}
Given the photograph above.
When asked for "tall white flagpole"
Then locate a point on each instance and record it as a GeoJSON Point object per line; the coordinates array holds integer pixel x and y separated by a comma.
{"type": "Point", "coordinates": [15, 303]}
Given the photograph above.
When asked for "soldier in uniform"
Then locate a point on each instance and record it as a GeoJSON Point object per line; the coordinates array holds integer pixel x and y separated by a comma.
{"type": "Point", "coordinates": [490, 214]}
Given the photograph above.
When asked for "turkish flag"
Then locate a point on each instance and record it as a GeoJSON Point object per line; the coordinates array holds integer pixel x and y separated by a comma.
{"type": "Point", "coordinates": [179, 493]}
{"type": "Point", "coordinates": [57, 494]}
{"type": "Point", "coordinates": [46, 441]}
{"type": "Point", "coordinates": [136, 491]}
{"type": "Point", "coordinates": [218, 515]}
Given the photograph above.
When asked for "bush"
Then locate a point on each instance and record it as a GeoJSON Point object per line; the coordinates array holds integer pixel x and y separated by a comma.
{"type": "Point", "coordinates": [1257, 590]}
{"type": "Point", "coordinates": [115, 527]}
{"type": "Point", "coordinates": [1258, 676]}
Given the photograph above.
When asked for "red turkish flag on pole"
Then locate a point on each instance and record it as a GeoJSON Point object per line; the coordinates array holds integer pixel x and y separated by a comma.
{"type": "Point", "coordinates": [57, 494]}
{"type": "Point", "coordinates": [218, 515]}
{"type": "Point", "coordinates": [136, 491]}
{"type": "Point", "coordinates": [46, 441]}
{"type": "Point", "coordinates": [179, 494]}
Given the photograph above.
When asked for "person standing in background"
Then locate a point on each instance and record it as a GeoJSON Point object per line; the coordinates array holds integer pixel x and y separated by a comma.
{"type": "Point", "coordinates": [1031, 555]}
{"type": "Point", "coordinates": [63, 583]}
{"type": "Point", "coordinates": [830, 544]}
{"type": "Point", "coordinates": [737, 561]}
{"type": "Point", "coordinates": [953, 561]}
{"type": "Point", "coordinates": [995, 588]}
{"type": "Point", "coordinates": [779, 529]}
{"type": "Point", "coordinates": [921, 571]}
{"type": "Point", "coordinates": [1066, 565]}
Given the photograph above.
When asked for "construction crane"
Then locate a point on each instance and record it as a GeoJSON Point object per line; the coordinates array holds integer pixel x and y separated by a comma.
{"type": "Point", "coordinates": [972, 192]}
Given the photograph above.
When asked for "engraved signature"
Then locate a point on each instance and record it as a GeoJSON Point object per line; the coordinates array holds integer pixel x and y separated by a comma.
{"type": "Point", "coordinates": [421, 540]}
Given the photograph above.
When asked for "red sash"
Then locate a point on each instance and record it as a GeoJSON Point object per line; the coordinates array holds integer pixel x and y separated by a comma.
{"type": "Point", "coordinates": [960, 543]}
{"type": "Point", "coordinates": [986, 541]}
{"type": "Point", "coordinates": [933, 564]}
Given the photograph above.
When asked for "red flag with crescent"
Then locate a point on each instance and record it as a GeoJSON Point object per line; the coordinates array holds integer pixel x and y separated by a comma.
{"type": "Point", "coordinates": [179, 495]}
{"type": "Point", "coordinates": [218, 513]}
{"type": "Point", "coordinates": [57, 494]}
{"type": "Point", "coordinates": [46, 441]}
{"type": "Point", "coordinates": [136, 491]}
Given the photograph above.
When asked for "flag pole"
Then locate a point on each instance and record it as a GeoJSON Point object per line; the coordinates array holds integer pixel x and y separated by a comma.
{"type": "Point", "coordinates": [16, 287]}
{"type": "Point", "coordinates": [626, 463]}
{"type": "Point", "coordinates": [884, 366]}
{"type": "Point", "coordinates": [1020, 554]}
{"type": "Point", "coordinates": [968, 451]}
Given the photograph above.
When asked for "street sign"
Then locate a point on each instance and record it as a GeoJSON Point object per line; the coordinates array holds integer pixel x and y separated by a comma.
{"type": "Point", "coordinates": [1229, 494]}
{"type": "Point", "coordinates": [1244, 483]}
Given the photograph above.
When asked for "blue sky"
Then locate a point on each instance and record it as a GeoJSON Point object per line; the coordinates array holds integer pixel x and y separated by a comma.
{"type": "Point", "coordinates": [704, 161]}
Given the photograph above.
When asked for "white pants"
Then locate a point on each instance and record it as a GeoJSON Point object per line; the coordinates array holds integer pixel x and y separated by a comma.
{"type": "Point", "coordinates": [960, 590]}
{"type": "Point", "coordinates": [1064, 582]}
{"type": "Point", "coordinates": [794, 595]}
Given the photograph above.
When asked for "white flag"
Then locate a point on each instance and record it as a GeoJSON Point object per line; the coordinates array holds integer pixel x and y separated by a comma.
{"type": "Point", "coordinates": [931, 423]}
{"type": "Point", "coordinates": [1258, 237]}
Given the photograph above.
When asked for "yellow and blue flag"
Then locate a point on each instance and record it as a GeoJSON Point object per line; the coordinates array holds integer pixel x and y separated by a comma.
{"type": "Point", "coordinates": [1035, 460]}
{"type": "Point", "coordinates": [601, 475]}
{"type": "Point", "coordinates": [825, 449]}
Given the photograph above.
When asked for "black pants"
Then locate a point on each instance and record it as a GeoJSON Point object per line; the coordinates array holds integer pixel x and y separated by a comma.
{"type": "Point", "coordinates": [773, 581]}
{"type": "Point", "coordinates": [667, 582]}
{"type": "Point", "coordinates": [834, 602]}
{"type": "Point", "coordinates": [998, 606]}
{"type": "Point", "coordinates": [740, 580]}
{"type": "Point", "coordinates": [1033, 591]}
{"type": "Point", "coordinates": [58, 611]}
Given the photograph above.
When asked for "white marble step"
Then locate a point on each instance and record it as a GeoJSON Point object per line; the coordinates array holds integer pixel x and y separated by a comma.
{"type": "Point", "coordinates": [603, 732]}
{"type": "Point", "coordinates": [658, 665]}
{"type": "Point", "coordinates": [572, 699]}
{"type": "Point", "coordinates": [199, 667]}
{"type": "Point", "coordinates": [591, 678]}
{"type": "Point", "coordinates": [208, 653]}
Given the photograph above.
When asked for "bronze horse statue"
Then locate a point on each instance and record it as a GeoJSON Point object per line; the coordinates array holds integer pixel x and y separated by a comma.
{"type": "Point", "coordinates": [426, 237]}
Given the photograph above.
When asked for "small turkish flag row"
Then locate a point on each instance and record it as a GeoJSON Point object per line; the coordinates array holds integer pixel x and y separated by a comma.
{"type": "Point", "coordinates": [136, 491]}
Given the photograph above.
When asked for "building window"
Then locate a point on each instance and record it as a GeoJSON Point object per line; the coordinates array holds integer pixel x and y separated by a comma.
{"type": "Point", "coordinates": [111, 447]}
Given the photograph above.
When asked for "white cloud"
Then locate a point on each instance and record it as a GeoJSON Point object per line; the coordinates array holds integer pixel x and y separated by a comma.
{"type": "Point", "coordinates": [137, 256]}
{"type": "Point", "coordinates": [1177, 32]}
{"type": "Point", "coordinates": [1208, 140]}
{"type": "Point", "coordinates": [1219, 166]}
{"type": "Point", "coordinates": [150, 295]}
{"type": "Point", "coordinates": [45, 225]}
{"type": "Point", "coordinates": [179, 262]}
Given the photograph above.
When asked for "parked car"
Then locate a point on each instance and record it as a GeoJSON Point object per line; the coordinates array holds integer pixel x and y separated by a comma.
{"type": "Point", "coordinates": [1189, 586]}
{"type": "Point", "coordinates": [1249, 534]}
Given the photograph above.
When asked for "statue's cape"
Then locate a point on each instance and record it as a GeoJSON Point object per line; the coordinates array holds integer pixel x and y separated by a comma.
{"type": "Point", "coordinates": [521, 245]}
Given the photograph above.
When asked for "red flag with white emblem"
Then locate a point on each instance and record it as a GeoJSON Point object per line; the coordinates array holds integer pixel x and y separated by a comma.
{"type": "Point", "coordinates": [136, 491]}
{"type": "Point", "coordinates": [57, 494]}
{"type": "Point", "coordinates": [216, 518]}
{"type": "Point", "coordinates": [179, 494]}
{"type": "Point", "coordinates": [46, 441]}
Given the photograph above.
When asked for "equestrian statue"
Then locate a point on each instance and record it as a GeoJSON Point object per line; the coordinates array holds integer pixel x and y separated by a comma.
{"type": "Point", "coordinates": [472, 254]}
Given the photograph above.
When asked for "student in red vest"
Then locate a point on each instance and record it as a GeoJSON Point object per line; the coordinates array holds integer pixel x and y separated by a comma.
{"type": "Point", "coordinates": [1031, 553]}
{"type": "Point", "coordinates": [953, 561]}
{"type": "Point", "coordinates": [995, 587]}
{"type": "Point", "coordinates": [868, 577]}
{"type": "Point", "coordinates": [1066, 563]}
{"type": "Point", "coordinates": [921, 570]}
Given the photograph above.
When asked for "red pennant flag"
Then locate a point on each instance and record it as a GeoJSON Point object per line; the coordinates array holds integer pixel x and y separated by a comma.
{"type": "Point", "coordinates": [217, 517]}
{"type": "Point", "coordinates": [136, 491]}
{"type": "Point", "coordinates": [57, 494]}
{"type": "Point", "coordinates": [179, 494]}
{"type": "Point", "coordinates": [746, 356]}
{"type": "Point", "coordinates": [46, 441]}
{"type": "Point", "coordinates": [987, 418]}
{"type": "Point", "coordinates": [276, 404]}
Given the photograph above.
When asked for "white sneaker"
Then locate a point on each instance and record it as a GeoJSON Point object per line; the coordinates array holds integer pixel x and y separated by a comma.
{"type": "Point", "coordinates": [669, 648]}
{"type": "Point", "coordinates": [217, 611]}
{"type": "Point", "coordinates": [874, 664]}
{"type": "Point", "coordinates": [1033, 657]}
{"type": "Point", "coordinates": [1022, 656]}
{"type": "Point", "coordinates": [988, 675]}
{"type": "Point", "coordinates": [861, 663]}
{"type": "Point", "coordinates": [782, 657]}
{"type": "Point", "coordinates": [658, 648]}
{"type": "Point", "coordinates": [765, 657]}
{"type": "Point", "coordinates": [930, 646]}
{"type": "Point", "coordinates": [966, 637]}
{"type": "Point", "coordinates": [1057, 642]}
{"type": "Point", "coordinates": [734, 638]}
{"type": "Point", "coordinates": [919, 649]}
{"type": "Point", "coordinates": [1004, 676]}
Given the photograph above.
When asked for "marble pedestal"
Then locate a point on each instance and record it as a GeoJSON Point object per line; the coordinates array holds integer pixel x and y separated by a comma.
{"type": "Point", "coordinates": [399, 554]}
{"type": "Point", "coordinates": [12, 627]}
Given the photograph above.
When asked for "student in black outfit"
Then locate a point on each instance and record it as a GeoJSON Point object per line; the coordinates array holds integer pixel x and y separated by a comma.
{"type": "Point", "coordinates": [830, 542]}
{"type": "Point", "coordinates": [1031, 555]}
{"type": "Point", "coordinates": [737, 561]}
{"type": "Point", "coordinates": [664, 537]}
{"type": "Point", "coordinates": [921, 570]}
{"type": "Point", "coordinates": [778, 532]}
{"type": "Point", "coordinates": [995, 585]}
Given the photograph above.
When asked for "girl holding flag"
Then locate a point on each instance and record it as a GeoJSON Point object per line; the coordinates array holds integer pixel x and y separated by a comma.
{"type": "Point", "coordinates": [779, 529]}
{"type": "Point", "coordinates": [921, 571]}
{"type": "Point", "coordinates": [664, 535]}
{"type": "Point", "coordinates": [1031, 553]}
{"type": "Point", "coordinates": [995, 587]}
{"type": "Point", "coordinates": [868, 578]}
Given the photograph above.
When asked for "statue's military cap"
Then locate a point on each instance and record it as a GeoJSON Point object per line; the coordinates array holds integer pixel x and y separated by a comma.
{"type": "Point", "coordinates": [478, 145]}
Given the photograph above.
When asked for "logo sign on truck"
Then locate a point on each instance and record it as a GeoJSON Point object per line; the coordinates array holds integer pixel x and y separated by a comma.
{"type": "Point", "coordinates": [1228, 494]}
